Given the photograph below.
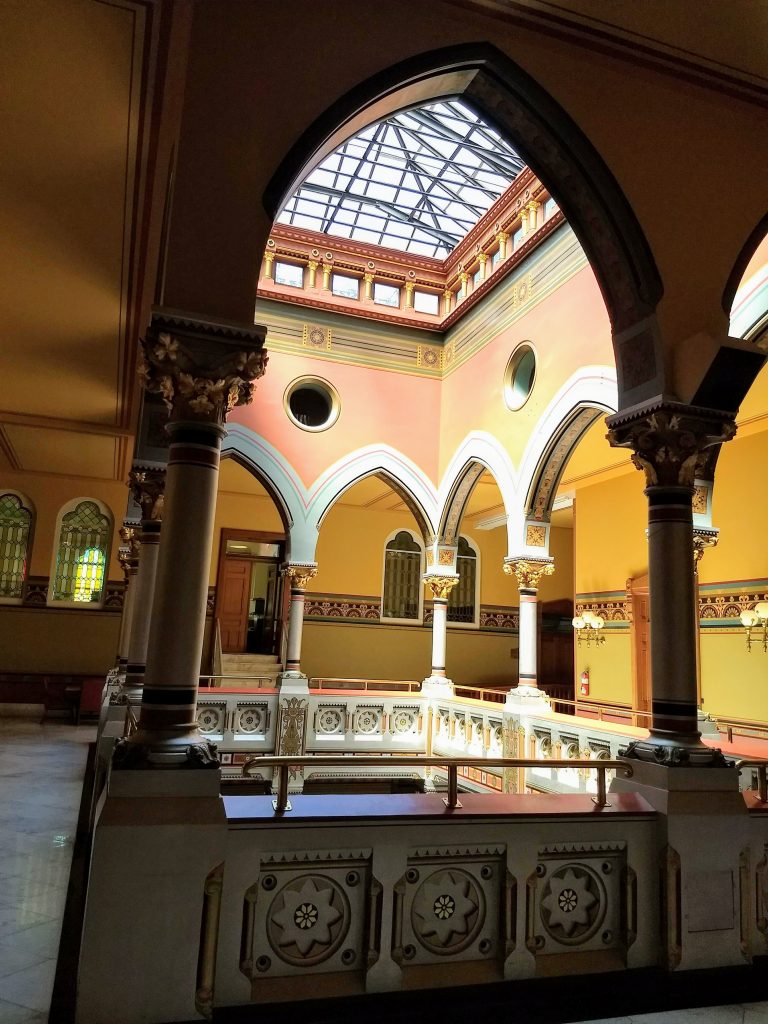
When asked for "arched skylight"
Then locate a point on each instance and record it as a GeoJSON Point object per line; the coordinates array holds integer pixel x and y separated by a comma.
{"type": "Point", "coordinates": [418, 181]}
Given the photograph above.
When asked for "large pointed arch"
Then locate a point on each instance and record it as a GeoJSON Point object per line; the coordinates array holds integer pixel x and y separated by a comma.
{"type": "Point", "coordinates": [387, 464]}
{"type": "Point", "coordinates": [557, 151]}
{"type": "Point", "coordinates": [478, 452]}
{"type": "Point", "coordinates": [584, 398]}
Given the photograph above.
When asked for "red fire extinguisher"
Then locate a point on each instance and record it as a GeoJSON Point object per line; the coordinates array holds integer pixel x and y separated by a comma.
{"type": "Point", "coordinates": [584, 684]}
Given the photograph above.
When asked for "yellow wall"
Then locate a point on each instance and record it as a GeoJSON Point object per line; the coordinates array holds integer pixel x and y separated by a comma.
{"type": "Point", "coordinates": [49, 492]}
{"type": "Point", "coordinates": [58, 640]}
{"type": "Point", "coordinates": [403, 652]}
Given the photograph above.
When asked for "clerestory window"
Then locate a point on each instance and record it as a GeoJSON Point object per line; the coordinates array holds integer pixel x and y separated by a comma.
{"type": "Point", "coordinates": [402, 578]}
{"type": "Point", "coordinates": [15, 533]}
{"type": "Point", "coordinates": [81, 555]}
{"type": "Point", "coordinates": [462, 603]}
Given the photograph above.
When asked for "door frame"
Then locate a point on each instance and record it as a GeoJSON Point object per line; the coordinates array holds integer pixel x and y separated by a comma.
{"type": "Point", "coordinates": [256, 537]}
{"type": "Point", "coordinates": [637, 587]}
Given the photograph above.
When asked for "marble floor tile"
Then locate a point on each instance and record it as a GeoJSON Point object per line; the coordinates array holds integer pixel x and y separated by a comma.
{"type": "Point", "coordinates": [30, 987]}
{"type": "Point", "coordinates": [12, 1014]}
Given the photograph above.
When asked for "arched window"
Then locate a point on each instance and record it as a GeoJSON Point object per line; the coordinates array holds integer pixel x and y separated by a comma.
{"type": "Point", "coordinates": [402, 578]}
{"type": "Point", "coordinates": [81, 556]}
{"type": "Point", "coordinates": [462, 603]}
{"type": "Point", "coordinates": [15, 531]}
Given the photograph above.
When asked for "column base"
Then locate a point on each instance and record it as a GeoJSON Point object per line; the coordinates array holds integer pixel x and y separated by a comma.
{"type": "Point", "coordinates": [144, 750]}
{"type": "Point", "coordinates": [527, 698]}
{"type": "Point", "coordinates": [293, 683]}
{"type": "Point", "coordinates": [676, 751]}
{"type": "Point", "coordinates": [437, 686]}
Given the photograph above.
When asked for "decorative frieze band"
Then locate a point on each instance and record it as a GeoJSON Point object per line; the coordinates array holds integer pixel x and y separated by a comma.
{"type": "Point", "coordinates": [355, 608]}
{"type": "Point", "coordinates": [719, 604]}
{"type": "Point", "coordinates": [36, 589]}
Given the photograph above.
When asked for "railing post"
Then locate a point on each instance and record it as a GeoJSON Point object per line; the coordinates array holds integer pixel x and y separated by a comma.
{"type": "Point", "coordinates": [601, 800]}
{"type": "Point", "coordinates": [452, 800]}
{"type": "Point", "coordinates": [282, 803]}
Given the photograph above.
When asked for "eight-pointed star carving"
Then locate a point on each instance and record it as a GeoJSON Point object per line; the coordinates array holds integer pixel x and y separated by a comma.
{"type": "Point", "coordinates": [306, 917]}
{"type": "Point", "coordinates": [568, 902]}
{"type": "Point", "coordinates": [443, 907]}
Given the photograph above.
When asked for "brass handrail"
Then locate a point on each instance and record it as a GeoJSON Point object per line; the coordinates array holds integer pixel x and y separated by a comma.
{"type": "Point", "coordinates": [602, 709]}
{"type": "Point", "coordinates": [242, 678]}
{"type": "Point", "coordinates": [762, 777]}
{"type": "Point", "coordinates": [739, 723]}
{"type": "Point", "coordinates": [326, 683]}
{"type": "Point", "coordinates": [284, 764]}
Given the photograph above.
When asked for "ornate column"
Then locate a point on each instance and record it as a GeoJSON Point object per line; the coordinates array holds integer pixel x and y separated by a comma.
{"type": "Point", "coordinates": [703, 538]}
{"type": "Point", "coordinates": [524, 221]}
{"type": "Point", "coordinates": [483, 258]}
{"type": "Point", "coordinates": [447, 301]}
{"type": "Point", "coordinates": [409, 287]}
{"type": "Point", "coordinates": [147, 485]}
{"type": "Point", "coordinates": [327, 268]}
{"type": "Point", "coordinates": [368, 282]}
{"type": "Point", "coordinates": [312, 266]}
{"type": "Point", "coordinates": [533, 213]}
{"type": "Point", "coordinates": [203, 370]}
{"type": "Point", "coordinates": [528, 572]}
{"type": "Point", "coordinates": [269, 259]}
{"type": "Point", "coordinates": [464, 279]}
{"type": "Point", "coordinates": [298, 575]}
{"type": "Point", "coordinates": [440, 587]}
{"type": "Point", "coordinates": [502, 238]}
{"type": "Point", "coordinates": [128, 557]}
{"type": "Point", "coordinates": [669, 441]}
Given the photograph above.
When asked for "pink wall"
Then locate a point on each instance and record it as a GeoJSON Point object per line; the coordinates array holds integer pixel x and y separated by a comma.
{"type": "Point", "coordinates": [377, 406]}
{"type": "Point", "coordinates": [569, 329]}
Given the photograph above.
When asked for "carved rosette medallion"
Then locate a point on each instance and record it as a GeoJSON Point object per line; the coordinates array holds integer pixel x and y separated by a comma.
{"type": "Point", "coordinates": [308, 920]}
{"type": "Point", "coordinates": [448, 911]}
{"type": "Point", "coordinates": [573, 904]}
{"type": "Point", "coordinates": [669, 440]}
{"type": "Point", "coordinates": [299, 575]}
{"type": "Point", "coordinates": [147, 486]}
{"type": "Point", "coordinates": [201, 370]}
{"type": "Point", "coordinates": [210, 718]}
{"type": "Point", "coordinates": [440, 586]}
{"type": "Point", "coordinates": [529, 571]}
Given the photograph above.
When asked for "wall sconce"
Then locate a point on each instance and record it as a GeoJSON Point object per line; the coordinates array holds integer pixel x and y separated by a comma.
{"type": "Point", "coordinates": [588, 628]}
{"type": "Point", "coordinates": [756, 619]}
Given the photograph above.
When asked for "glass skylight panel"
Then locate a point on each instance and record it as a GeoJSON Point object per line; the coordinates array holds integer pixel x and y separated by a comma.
{"type": "Point", "coordinates": [417, 182]}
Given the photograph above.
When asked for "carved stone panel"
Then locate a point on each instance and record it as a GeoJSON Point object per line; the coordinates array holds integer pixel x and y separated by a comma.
{"type": "Point", "coordinates": [369, 720]}
{"type": "Point", "coordinates": [308, 914]}
{"type": "Point", "coordinates": [404, 721]}
{"type": "Point", "coordinates": [451, 905]}
{"type": "Point", "coordinates": [580, 897]}
{"type": "Point", "coordinates": [212, 718]}
{"type": "Point", "coordinates": [251, 719]}
{"type": "Point", "coordinates": [330, 720]}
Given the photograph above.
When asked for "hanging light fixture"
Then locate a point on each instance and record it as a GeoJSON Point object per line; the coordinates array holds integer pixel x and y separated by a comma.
{"type": "Point", "coordinates": [755, 621]}
{"type": "Point", "coordinates": [588, 628]}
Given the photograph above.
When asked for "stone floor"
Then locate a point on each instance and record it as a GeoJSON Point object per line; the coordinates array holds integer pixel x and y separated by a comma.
{"type": "Point", "coordinates": [748, 1013]}
{"type": "Point", "coordinates": [41, 776]}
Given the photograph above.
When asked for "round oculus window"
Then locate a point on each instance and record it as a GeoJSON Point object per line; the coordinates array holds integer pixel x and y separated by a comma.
{"type": "Point", "coordinates": [312, 404]}
{"type": "Point", "coordinates": [519, 376]}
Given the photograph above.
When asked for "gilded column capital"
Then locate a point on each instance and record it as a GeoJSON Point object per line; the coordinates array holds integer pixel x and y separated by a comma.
{"type": "Point", "coordinates": [409, 286]}
{"type": "Point", "coordinates": [463, 277]}
{"type": "Point", "coordinates": [299, 575]}
{"type": "Point", "coordinates": [147, 485]}
{"type": "Point", "coordinates": [502, 236]}
{"type": "Point", "coordinates": [269, 257]}
{"type": "Point", "coordinates": [128, 552]}
{"type": "Point", "coordinates": [482, 258]}
{"type": "Point", "coordinates": [669, 440]}
{"type": "Point", "coordinates": [703, 539]}
{"type": "Point", "coordinates": [312, 265]}
{"type": "Point", "coordinates": [202, 369]}
{"type": "Point", "coordinates": [440, 586]}
{"type": "Point", "coordinates": [369, 278]}
{"type": "Point", "coordinates": [529, 571]}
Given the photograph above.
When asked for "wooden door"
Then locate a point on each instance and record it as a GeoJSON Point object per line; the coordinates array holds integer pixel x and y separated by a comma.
{"type": "Point", "coordinates": [641, 646]}
{"type": "Point", "coordinates": [233, 604]}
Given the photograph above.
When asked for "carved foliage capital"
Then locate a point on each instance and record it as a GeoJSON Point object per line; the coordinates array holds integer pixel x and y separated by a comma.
{"type": "Point", "coordinates": [528, 572]}
{"type": "Point", "coordinates": [441, 586]}
{"type": "Point", "coordinates": [197, 381]}
{"type": "Point", "coordinates": [299, 575]}
{"type": "Point", "coordinates": [671, 442]}
{"type": "Point", "coordinates": [128, 552]}
{"type": "Point", "coordinates": [148, 489]}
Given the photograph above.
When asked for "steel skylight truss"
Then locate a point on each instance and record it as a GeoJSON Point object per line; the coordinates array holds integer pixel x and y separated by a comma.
{"type": "Point", "coordinates": [417, 182]}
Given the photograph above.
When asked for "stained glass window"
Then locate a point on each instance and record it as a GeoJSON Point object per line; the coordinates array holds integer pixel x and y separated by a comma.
{"type": "Point", "coordinates": [402, 578]}
{"type": "Point", "coordinates": [81, 556]}
{"type": "Point", "coordinates": [461, 603]}
{"type": "Point", "coordinates": [15, 527]}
